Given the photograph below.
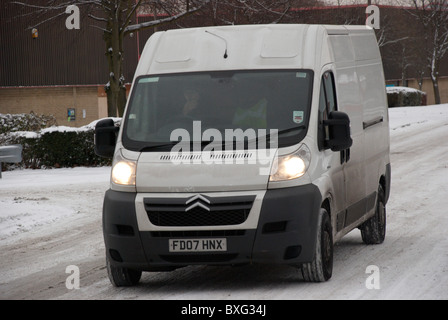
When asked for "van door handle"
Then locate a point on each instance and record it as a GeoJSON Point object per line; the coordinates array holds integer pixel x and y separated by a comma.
{"type": "Point", "coordinates": [367, 124]}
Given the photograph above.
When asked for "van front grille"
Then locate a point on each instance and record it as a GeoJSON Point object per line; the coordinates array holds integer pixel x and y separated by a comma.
{"type": "Point", "coordinates": [197, 217]}
{"type": "Point", "coordinates": [198, 211]}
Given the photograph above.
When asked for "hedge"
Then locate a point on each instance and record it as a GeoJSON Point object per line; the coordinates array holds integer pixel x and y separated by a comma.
{"type": "Point", "coordinates": [405, 97]}
{"type": "Point", "coordinates": [53, 147]}
{"type": "Point", "coordinates": [25, 122]}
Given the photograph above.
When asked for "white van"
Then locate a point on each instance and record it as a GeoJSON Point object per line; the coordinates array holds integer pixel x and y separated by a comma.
{"type": "Point", "coordinates": [247, 144]}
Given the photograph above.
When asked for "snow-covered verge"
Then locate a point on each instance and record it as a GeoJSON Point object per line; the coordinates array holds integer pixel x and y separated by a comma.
{"type": "Point", "coordinates": [50, 219]}
{"type": "Point", "coordinates": [30, 199]}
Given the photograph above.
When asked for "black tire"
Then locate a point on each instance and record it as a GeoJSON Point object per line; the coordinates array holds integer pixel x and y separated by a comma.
{"type": "Point", "coordinates": [373, 231]}
{"type": "Point", "coordinates": [122, 277]}
{"type": "Point", "coordinates": [321, 268]}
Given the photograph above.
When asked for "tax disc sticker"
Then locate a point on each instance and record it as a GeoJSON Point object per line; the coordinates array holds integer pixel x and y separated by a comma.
{"type": "Point", "coordinates": [297, 116]}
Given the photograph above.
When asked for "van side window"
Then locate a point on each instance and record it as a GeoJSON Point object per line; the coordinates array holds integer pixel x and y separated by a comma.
{"type": "Point", "coordinates": [327, 104]}
{"type": "Point", "coordinates": [328, 81]}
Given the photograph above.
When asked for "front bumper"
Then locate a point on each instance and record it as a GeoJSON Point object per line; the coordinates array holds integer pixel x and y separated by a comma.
{"type": "Point", "coordinates": [286, 233]}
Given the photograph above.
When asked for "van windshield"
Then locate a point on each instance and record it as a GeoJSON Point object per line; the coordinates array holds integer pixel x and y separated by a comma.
{"type": "Point", "coordinates": [223, 106]}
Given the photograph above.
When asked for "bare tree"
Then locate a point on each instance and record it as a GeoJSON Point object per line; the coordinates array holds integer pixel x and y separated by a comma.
{"type": "Point", "coordinates": [432, 15]}
{"type": "Point", "coordinates": [232, 12]}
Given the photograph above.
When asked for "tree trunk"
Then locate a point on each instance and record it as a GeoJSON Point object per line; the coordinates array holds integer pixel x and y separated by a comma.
{"type": "Point", "coordinates": [434, 72]}
{"type": "Point", "coordinates": [435, 85]}
{"type": "Point", "coordinates": [115, 88]}
{"type": "Point", "coordinates": [116, 101]}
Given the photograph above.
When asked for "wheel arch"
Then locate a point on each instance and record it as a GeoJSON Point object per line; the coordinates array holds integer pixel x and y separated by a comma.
{"type": "Point", "coordinates": [326, 204]}
{"type": "Point", "coordinates": [385, 182]}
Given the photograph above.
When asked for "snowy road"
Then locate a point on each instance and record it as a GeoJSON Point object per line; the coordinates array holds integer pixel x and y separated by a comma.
{"type": "Point", "coordinates": [51, 219]}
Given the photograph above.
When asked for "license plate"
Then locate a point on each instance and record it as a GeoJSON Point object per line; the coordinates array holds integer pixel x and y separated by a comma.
{"type": "Point", "coordinates": [198, 245]}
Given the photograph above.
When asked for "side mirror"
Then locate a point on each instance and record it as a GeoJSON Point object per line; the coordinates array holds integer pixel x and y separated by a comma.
{"type": "Point", "coordinates": [105, 138]}
{"type": "Point", "coordinates": [339, 131]}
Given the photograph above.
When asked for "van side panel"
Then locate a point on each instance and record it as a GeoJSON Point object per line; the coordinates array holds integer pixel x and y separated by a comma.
{"type": "Point", "coordinates": [361, 94]}
{"type": "Point", "coordinates": [350, 102]}
{"type": "Point", "coordinates": [375, 124]}
{"type": "Point", "coordinates": [375, 118]}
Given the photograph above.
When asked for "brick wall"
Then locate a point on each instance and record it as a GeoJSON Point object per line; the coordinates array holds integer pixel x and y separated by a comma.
{"type": "Point", "coordinates": [428, 88]}
{"type": "Point", "coordinates": [53, 101]}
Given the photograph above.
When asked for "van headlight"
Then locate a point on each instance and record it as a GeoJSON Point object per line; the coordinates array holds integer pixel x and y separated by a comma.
{"type": "Point", "coordinates": [291, 166]}
{"type": "Point", "coordinates": [123, 172]}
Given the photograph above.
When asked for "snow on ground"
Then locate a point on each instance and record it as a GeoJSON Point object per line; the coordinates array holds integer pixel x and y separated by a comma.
{"type": "Point", "coordinates": [50, 219]}
{"type": "Point", "coordinates": [26, 205]}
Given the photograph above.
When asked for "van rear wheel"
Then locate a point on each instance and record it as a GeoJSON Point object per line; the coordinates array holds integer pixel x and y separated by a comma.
{"type": "Point", "coordinates": [373, 231]}
{"type": "Point", "coordinates": [122, 277]}
{"type": "Point", "coordinates": [321, 268]}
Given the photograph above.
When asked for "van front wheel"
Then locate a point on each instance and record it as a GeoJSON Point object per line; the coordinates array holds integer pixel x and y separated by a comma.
{"type": "Point", "coordinates": [122, 277]}
{"type": "Point", "coordinates": [373, 231]}
{"type": "Point", "coordinates": [321, 268]}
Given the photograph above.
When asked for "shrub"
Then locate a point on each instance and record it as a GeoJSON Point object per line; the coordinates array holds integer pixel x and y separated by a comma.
{"type": "Point", "coordinates": [405, 97]}
{"type": "Point", "coordinates": [54, 147]}
{"type": "Point", "coordinates": [25, 122]}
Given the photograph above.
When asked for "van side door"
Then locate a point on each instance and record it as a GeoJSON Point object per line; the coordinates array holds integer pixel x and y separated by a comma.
{"type": "Point", "coordinates": [349, 185]}
{"type": "Point", "coordinates": [350, 102]}
{"type": "Point", "coordinates": [327, 104]}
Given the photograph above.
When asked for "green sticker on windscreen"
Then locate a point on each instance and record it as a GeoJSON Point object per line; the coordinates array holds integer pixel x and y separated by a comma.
{"type": "Point", "coordinates": [148, 80]}
{"type": "Point", "coordinates": [297, 116]}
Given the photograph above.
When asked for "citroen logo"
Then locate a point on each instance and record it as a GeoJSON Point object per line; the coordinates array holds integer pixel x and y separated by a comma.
{"type": "Point", "coordinates": [197, 201]}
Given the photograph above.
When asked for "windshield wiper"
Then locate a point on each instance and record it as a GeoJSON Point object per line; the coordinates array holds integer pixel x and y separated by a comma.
{"type": "Point", "coordinates": [207, 142]}
{"type": "Point", "coordinates": [291, 129]}
{"type": "Point", "coordinates": [279, 133]}
{"type": "Point", "coordinates": [192, 144]}
{"type": "Point", "coordinates": [157, 146]}
{"type": "Point", "coordinates": [266, 137]}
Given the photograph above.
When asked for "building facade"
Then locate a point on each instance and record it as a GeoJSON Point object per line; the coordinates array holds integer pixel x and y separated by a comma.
{"type": "Point", "coordinates": [60, 71]}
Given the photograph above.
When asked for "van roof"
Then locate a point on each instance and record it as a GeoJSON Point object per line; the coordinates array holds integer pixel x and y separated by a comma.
{"type": "Point", "coordinates": [240, 47]}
